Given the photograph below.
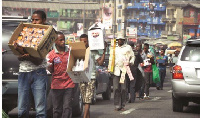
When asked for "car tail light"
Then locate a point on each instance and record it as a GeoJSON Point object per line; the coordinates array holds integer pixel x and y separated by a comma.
{"type": "Point", "coordinates": [177, 72]}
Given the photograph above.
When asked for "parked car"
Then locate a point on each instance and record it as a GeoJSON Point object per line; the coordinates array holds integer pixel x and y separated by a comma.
{"type": "Point", "coordinates": [10, 71]}
{"type": "Point", "coordinates": [103, 84]}
{"type": "Point", "coordinates": [186, 76]}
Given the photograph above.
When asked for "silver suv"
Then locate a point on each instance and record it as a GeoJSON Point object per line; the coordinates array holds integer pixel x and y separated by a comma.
{"type": "Point", "coordinates": [186, 76]}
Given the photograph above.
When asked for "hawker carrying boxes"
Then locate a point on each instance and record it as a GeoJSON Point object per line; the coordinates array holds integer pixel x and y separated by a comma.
{"type": "Point", "coordinates": [36, 39]}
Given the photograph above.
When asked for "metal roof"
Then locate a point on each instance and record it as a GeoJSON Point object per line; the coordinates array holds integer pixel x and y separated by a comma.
{"type": "Point", "coordinates": [196, 5]}
{"type": "Point", "coordinates": [51, 5]}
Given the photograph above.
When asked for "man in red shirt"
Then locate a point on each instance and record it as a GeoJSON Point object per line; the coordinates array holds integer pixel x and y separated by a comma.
{"type": "Point", "coordinates": [61, 85]}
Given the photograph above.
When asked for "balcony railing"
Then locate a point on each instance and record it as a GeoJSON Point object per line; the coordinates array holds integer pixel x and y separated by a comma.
{"type": "Point", "coordinates": [168, 32]}
{"type": "Point", "coordinates": [172, 19]}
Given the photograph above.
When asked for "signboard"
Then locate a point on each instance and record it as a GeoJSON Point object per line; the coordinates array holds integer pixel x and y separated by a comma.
{"type": "Point", "coordinates": [131, 31]}
{"type": "Point", "coordinates": [107, 16]}
{"type": "Point", "coordinates": [95, 38]}
{"type": "Point", "coordinates": [79, 29]}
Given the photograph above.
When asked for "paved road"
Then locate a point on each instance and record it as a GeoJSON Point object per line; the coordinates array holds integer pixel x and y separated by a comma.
{"type": "Point", "coordinates": [159, 106]}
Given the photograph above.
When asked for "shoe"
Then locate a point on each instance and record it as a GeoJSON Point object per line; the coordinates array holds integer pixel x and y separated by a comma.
{"type": "Point", "coordinates": [146, 98]}
{"type": "Point", "coordinates": [141, 98]}
{"type": "Point", "coordinates": [144, 94]}
{"type": "Point", "coordinates": [122, 109]}
{"type": "Point", "coordinates": [158, 88]}
{"type": "Point", "coordinates": [117, 109]}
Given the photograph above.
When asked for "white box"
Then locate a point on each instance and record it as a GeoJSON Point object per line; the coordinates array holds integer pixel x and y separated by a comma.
{"type": "Point", "coordinates": [96, 38]}
{"type": "Point", "coordinates": [79, 51]}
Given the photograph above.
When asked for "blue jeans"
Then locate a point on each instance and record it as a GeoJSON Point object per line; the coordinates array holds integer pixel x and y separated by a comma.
{"type": "Point", "coordinates": [35, 82]}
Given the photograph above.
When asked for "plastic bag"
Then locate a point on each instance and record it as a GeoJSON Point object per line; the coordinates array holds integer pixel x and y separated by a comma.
{"type": "Point", "coordinates": [156, 77]}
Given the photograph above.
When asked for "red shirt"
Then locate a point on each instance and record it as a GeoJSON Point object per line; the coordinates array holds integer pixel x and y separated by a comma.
{"type": "Point", "coordinates": [60, 78]}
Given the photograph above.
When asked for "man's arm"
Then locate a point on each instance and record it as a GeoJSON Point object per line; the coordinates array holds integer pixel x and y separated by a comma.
{"type": "Point", "coordinates": [132, 56]}
{"type": "Point", "coordinates": [100, 60]}
{"type": "Point", "coordinates": [50, 64]}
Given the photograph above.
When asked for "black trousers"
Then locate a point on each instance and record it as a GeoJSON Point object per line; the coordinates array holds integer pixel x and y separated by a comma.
{"type": "Point", "coordinates": [135, 85]}
{"type": "Point", "coordinates": [62, 103]}
{"type": "Point", "coordinates": [120, 92]}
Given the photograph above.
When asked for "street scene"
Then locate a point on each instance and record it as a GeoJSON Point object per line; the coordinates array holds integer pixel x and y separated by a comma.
{"type": "Point", "coordinates": [100, 58]}
{"type": "Point", "coordinates": [159, 106]}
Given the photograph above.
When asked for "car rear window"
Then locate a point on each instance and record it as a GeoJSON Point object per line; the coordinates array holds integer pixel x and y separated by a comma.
{"type": "Point", "coordinates": [191, 53]}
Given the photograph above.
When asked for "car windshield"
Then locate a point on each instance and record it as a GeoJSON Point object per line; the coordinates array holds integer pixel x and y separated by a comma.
{"type": "Point", "coordinates": [191, 53]}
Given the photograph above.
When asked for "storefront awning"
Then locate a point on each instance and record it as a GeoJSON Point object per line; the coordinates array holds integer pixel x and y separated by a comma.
{"type": "Point", "coordinates": [51, 5]}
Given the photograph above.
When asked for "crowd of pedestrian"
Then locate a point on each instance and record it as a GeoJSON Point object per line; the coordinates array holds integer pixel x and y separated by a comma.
{"type": "Point", "coordinates": [132, 78]}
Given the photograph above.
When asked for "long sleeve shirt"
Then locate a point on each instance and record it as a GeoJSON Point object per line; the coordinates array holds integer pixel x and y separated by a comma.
{"type": "Point", "coordinates": [120, 54]}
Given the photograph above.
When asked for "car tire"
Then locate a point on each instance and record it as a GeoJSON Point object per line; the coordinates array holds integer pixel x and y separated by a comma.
{"type": "Point", "coordinates": [177, 104]}
{"type": "Point", "coordinates": [94, 99]}
{"type": "Point", "coordinates": [107, 95]}
{"type": "Point", "coordinates": [77, 104]}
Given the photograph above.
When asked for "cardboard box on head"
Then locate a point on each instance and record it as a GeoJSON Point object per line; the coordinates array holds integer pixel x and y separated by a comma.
{"type": "Point", "coordinates": [45, 44]}
{"type": "Point", "coordinates": [79, 51]}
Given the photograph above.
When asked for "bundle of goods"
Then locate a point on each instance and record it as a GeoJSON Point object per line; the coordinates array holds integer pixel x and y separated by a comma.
{"type": "Point", "coordinates": [33, 39]}
{"type": "Point", "coordinates": [79, 65]}
{"type": "Point", "coordinates": [30, 37]}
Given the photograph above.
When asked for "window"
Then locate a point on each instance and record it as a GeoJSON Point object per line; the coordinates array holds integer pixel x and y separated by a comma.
{"type": "Point", "coordinates": [170, 12]}
{"type": "Point", "coordinates": [119, 27]}
{"type": "Point", "coordinates": [186, 13]}
{"type": "Point", "coordinates": [120, 13]}
{"type": "Point", "coordinates": [191, 53]}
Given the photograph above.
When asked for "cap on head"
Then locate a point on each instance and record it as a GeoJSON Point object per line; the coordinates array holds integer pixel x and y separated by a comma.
{"type": "Point", "coordinates": [120, 36]}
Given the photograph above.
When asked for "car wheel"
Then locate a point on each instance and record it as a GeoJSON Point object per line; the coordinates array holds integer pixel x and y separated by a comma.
{"type": "Point", "coordinates": [77, 105]}
{"type": "Point", "coordinates": [177, 104]}
{"type": "Point", "coordinates": [107, 95]}
{"type": "Point", "coordinates": [94, 96]}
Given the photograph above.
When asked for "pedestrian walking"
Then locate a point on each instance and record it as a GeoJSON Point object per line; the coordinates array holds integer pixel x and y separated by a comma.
{"type": "Point", "coordinates": [32, 78]}
{"type": "Point", "coordinates": [148, 60]}
{"type": "Point", "coordinates": [170, 62]}
{"type": "Point", "coordinates": [61, 85]}
{"type": "Point", "coordinates": [124, 57]}
{"type": "Point", "coordinates": [135, 71]}
{"type": "Point", "coordinates": [161, 60]}
{"type": "Point", "coordinates": [87, 88]}
{"type": "Point", "coordinates": [140, 81]}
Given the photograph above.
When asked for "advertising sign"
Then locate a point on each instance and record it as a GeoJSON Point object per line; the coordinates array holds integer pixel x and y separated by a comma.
{"type": "Point", "coordinates": [131, 31]}
{"type": "Point", "coordinates": [79, 29]}
{"type": "Point", "coordinates": [95, 38]}
{"type": "Point", "coordinates": [107, 16]}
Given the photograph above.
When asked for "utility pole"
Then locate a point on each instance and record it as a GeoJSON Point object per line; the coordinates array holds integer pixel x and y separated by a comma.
{"type": "Point", "coordinates": [182, 32]}
{"type": "Point", "coordinates": [114, 19]}
{"type": "Point", "coordinates": [84, 17]}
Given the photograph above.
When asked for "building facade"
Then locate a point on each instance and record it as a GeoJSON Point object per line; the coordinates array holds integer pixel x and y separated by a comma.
{"type": "Point", "coordinates": [146, 16]}
{"type": "Point", "coordinates": [64, 16]}
{"type": "Point", "coordinates": [181, 19]}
